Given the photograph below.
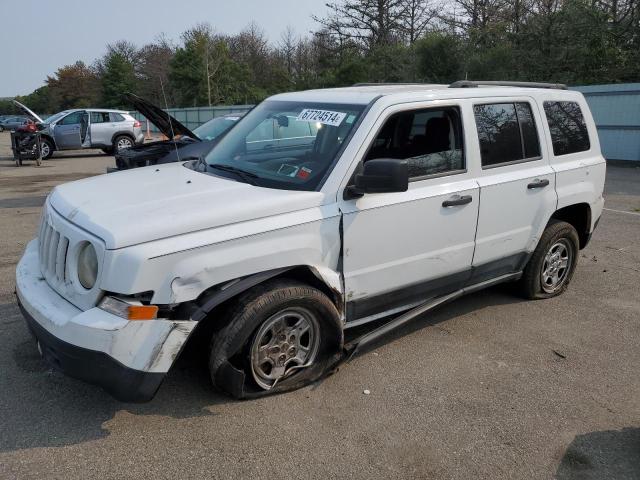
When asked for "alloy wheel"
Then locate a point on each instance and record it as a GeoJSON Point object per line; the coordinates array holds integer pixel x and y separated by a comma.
{"type": "Point", "coordinates": [285, 343]}
{"type": "Point", "coordinates": [556, 265]}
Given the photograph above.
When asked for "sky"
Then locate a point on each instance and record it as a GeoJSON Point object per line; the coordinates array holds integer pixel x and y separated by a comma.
{"type": "Point", "coordinates": [37, 37]}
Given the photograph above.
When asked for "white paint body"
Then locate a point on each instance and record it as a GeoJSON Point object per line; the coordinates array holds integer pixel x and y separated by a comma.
{"type": "Point", "coordinates": [176, 232]}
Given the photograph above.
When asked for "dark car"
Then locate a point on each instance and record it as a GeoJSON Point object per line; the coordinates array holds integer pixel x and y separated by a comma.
{"type": "Point", "coordinates": [13, 123]}
{"type": "Point", "coordinates": [181, 142]}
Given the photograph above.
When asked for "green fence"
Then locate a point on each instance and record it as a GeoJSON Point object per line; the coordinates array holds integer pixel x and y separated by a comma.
{"type": "Point", "coordinates": [194, 117]}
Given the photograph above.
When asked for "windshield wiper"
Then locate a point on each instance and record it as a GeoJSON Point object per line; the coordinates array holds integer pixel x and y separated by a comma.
{"type": "Point", "coordinates": [247, 177]}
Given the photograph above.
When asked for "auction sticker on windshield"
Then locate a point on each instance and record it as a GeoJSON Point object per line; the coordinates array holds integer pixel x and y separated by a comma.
{"type": "Point", "coordinates": [326, 117]}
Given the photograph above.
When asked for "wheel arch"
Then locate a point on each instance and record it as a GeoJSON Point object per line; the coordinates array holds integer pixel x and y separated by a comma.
{"type": "Point", "coordinates": [122, 133]}
{"type": "Point", "coordinates": [579, 216]}
{"type": "Point", "coordinates": [50, 139]}
{"type": "Point", "coordinates": [217, 297]}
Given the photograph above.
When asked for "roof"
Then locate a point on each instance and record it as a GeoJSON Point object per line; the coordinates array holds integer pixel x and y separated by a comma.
{"type": "Point", "coordinates": [364, 94]}
{"type": "Point", "coordinates": [93, 110]}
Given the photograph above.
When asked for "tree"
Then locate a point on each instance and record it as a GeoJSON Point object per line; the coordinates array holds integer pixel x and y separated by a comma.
{"type": "Point", "coordinates": [369, 23]}
{"type": "Point", "coordinates": [39, 101]}
{"type": "Point", "coordinates": [438, 58]}
{"type": "Point", "coordinates": [153, 71]}
{"type": "Point", "coordinates": [202, 71]}
{"type": "Point", "coordinates": [417, 16]}
{"type": "Point", "coordinates": [118, 78]}
{"type": "Point", "coordinates": [73, 86]}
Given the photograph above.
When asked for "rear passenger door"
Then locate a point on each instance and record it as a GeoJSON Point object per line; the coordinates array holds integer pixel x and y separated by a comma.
{"type": "Point", "coordinates": [400, 249]}
{"type": "Point", "coordinates": [101, 128]}
{"type": "Point", "coordinates": [517, 185]}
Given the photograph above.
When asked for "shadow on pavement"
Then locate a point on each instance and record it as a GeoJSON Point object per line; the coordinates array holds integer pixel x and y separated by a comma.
{"type": "Point", "coordinates": [44, 408]}
{"type": "Point", "coordinates": [610, 454]}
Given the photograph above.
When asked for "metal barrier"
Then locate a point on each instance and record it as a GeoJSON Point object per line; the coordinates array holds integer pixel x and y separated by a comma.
{"type": "Point", "coordinates": [616, 111]}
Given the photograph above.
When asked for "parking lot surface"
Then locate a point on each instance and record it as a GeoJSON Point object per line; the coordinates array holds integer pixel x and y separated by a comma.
{"type": "Point", "coordinates": [488, 387]}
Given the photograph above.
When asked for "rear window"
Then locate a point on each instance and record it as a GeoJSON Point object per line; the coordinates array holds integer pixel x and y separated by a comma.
{"type": "Point", "coordinates": [568, 128]}
{"type": "Point", "coordinates": [507, 133]}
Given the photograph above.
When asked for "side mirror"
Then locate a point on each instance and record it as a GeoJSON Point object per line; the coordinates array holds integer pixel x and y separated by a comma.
{"type": "Point", "coordinates": [381, 175]}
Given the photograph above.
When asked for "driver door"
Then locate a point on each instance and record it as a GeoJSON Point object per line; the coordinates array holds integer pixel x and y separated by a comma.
{"type": "Point", "coordinates": [403, 248]}
{"type": "Point", "coordinates": [70, 129]}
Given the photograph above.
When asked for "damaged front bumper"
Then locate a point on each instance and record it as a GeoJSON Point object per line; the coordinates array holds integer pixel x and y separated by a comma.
{"type": "Point", "coordinates": [129, 359]}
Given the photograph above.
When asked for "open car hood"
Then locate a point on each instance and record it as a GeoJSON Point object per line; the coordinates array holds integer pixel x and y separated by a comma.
{"type": "Point", "coordinates": [28, 112]}
{"type": "Point", "coordinates": [168, 126]}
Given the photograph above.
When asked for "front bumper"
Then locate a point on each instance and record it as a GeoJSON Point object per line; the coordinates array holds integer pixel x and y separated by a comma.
{"type": "Point", "coordinates": [129, 359]}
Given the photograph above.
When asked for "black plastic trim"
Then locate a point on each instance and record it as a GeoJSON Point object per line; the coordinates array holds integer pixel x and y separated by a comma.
{"type": "Point", "coordinates": [408, 295]}
{"type": "Point", "coordinates": [123, 383]}
{"type": "Point", "coordinates": [215, 298]}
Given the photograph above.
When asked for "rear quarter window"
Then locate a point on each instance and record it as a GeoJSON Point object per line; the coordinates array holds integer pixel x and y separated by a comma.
{"type": "Point", "coordinates": [567, 127]}
{"type": "Point", "coordinates": [116, 117]}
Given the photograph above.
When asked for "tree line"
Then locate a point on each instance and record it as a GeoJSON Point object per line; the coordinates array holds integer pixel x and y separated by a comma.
{"type": "Point", "coordinates": [568, 41]}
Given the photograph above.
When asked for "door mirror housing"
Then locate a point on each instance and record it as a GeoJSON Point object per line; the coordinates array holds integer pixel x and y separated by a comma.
{"type": "Point", "coordinates": [381, 175]}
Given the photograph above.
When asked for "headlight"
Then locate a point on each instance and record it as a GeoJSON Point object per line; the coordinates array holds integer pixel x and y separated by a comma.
{"type": "Point", "coordinates": [87, 266]}
{"type": "Point", "coordinates": [121, 308]}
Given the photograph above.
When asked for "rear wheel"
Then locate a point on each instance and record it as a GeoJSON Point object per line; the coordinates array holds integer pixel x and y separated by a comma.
{"type": "Point", "coordinates": [122, 142]}
{"type": "Point", "coordinates": [279, 336]}
{"type": "Point", "coordinates": [553, 262]}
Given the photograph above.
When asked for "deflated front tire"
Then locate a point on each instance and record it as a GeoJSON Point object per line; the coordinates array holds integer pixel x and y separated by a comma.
{"type": "Point", "coordinates": [278, 336]}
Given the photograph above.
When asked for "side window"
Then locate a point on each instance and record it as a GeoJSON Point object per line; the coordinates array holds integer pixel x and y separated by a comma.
{"type": "Point", "coordinates": [295, 129]}
{"type": "Point", "coordinates": [116, 117]}
{"type": "Point", "coordinates": [567, 126]}
{"type": "Point", "coordinates": [507, 133]}
{"type": "Point", "coordinates": [430, 140]}
{"type": "Point", "coordinates": [99, 117]}
{"type": "Point", "coordinates": [262, 133]}
{"type": "Point", "coordinates": [72, 119]}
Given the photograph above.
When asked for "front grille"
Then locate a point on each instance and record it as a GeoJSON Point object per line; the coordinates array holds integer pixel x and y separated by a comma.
{"type": "Point", "coordinates": [53, 254]}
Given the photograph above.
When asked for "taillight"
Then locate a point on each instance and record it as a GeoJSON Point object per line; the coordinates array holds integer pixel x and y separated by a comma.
{"type": "Point", "coordinates": [136, 124]}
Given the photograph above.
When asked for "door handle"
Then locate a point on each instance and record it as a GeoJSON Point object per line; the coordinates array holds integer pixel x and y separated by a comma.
{"type": "Point", "coordinates": [538, 184]}
{"type": "Point", "coordinates": [457, 200]}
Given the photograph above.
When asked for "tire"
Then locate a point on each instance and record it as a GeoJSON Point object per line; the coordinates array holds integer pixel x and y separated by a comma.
{"type": "Point", "coordinates": [120, 141]}
{"type": "Point", "coordinates": [544, 276]}
{"type": "Point", "coordinates": [253, 318]}
{"type": "Point", "coordinates": [46, 148]}
{"type": "Point", "coordinates": [108, 150]}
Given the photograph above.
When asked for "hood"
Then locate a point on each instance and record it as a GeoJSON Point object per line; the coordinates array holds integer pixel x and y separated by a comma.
{"type": "Point", "coordinates": [28, 112]}
{"type": "Point", "coordinates": [168, 126]}
{"type": "Point", "coordinates": [145, 204]}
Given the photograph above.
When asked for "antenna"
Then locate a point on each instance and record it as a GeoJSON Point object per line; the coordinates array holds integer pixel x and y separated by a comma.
{"type": "Point", "coordinates": [166, 106]}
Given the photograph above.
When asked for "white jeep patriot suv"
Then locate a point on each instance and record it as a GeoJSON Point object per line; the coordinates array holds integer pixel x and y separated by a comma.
{"type": "Point", "coordinates": [392, 200]}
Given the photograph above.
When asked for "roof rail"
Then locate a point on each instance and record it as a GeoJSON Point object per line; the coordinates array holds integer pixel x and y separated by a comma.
{"type": "Point", "coordinates": [473, 84]}
{"type": "Point", "coordinates": [375, 84]}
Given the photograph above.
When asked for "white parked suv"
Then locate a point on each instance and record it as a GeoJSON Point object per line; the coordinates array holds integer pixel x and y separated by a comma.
{"type": "Point", "coordinates": [408, 197]}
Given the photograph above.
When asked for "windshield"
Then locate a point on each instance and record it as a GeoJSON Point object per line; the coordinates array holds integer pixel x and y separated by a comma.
{"type": "Point", "coordinates": [214, 128]}
{"type": "Point", "coordinates": [54, 117]}
{"type": "Point", "coordinates": [287, 145]}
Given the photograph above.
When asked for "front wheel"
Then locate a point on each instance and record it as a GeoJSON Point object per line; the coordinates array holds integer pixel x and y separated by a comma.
{"type": "Point", "coordinates": [46, 148]}
{"type": "Point", "coordinates": [278, 337]}
{"type": "Point", "coordinates": [553, 262]}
